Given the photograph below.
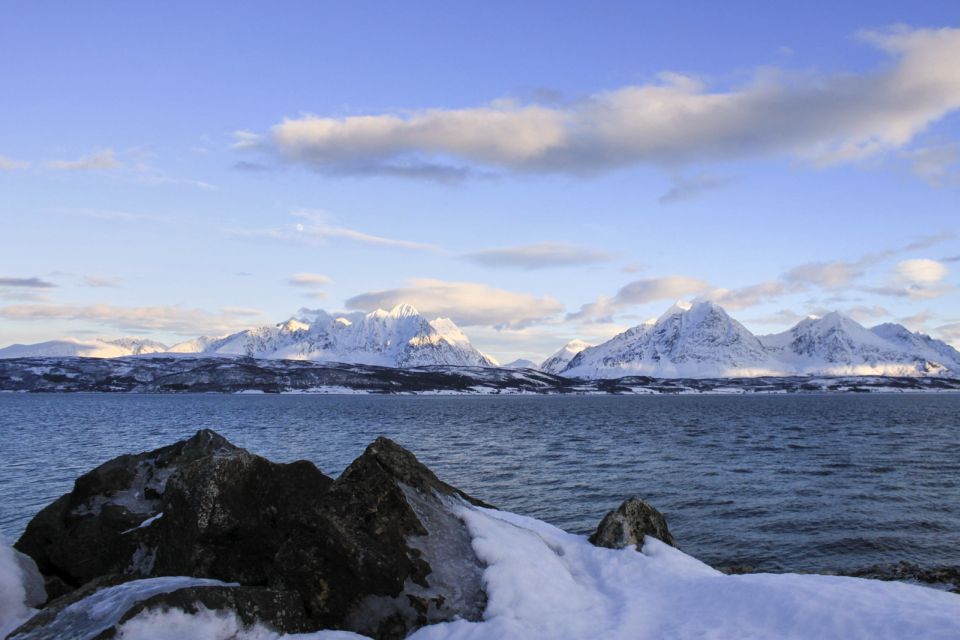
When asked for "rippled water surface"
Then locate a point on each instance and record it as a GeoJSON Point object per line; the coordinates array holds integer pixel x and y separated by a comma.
{"type": "Point", "coordinates": [820, 482]}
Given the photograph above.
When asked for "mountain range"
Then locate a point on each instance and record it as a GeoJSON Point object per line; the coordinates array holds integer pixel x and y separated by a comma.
{"type": "Point", "coordinates": [697, 340]}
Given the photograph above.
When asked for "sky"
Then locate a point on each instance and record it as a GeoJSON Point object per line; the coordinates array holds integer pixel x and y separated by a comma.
{"type": "Point", "coordinates": [537, 171]}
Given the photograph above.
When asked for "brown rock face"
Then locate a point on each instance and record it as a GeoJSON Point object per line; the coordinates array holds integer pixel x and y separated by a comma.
{"type": "Point", "coordinates": [380, 550]}
{"type": "Point", "coordinates": [629, 523]}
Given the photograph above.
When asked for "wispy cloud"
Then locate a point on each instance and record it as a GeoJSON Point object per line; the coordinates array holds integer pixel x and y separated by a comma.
{"type": "Point", "coordinates": [839, 274]}
{"type": "Point", "coordinates": [102, 282]}
{"type": "Point", "coordinates": [308, 280]}
{"type": "Point", "coordinates": [919, 279]}
{"type": "Point", "coordinates": [949, 333]}
{"type": "Point", "coordinates": [30, 283]}
{"type": "Point", "coordinates": [101, 160]}
{"type": "Point", "coordinates": [639, 292]}
{"type": "Point", "coordinates": [938, 165]}
{"type": "Point", "coordinates": [543, 255]}
{"type": "Point", "coordinates": [467, 303]}
{"type": "Point", "coordinates": [107, 215]}
{"type": "Point", "coordinates": [316, 228]}
{"type": "Point", "coordinates": [675, 121]}
{"type": "Point", "coordinates": [691, 188]}
{"type": "Point", "coordinates": [9, 164]}
{"type": "Point", "coordinates": [170, 319]}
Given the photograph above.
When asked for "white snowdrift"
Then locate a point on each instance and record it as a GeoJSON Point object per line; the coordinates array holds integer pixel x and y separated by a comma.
{"type": "Point", "coordinates": [545, 583]}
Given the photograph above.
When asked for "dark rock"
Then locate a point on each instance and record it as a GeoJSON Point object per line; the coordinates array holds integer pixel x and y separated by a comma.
{"type": "Point", "coordinates": [629, 523]}
{"type": "Point", "coordinates": [84, 534]}
{"type": "Point", "coordinates": [380, 551]}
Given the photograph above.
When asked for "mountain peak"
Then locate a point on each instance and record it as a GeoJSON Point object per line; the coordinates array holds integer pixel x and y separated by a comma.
{"type": "Point", "coordinates": [678, 307]}
{"type": "Point", "coordinates": [403, 310]}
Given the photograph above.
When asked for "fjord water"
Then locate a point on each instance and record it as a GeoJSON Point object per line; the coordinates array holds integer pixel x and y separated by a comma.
{"type": "Point", "coordinates": [776, 483]}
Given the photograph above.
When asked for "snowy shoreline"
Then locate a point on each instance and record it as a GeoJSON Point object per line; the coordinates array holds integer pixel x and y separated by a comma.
{"type": "Point", "coordinates": [202, 539]}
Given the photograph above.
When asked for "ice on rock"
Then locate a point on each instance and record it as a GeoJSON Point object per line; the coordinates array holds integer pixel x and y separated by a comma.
{"type": "Point", "coordinates": [98, 612]}
{"type": "Point", "coordinates": [21, 588]}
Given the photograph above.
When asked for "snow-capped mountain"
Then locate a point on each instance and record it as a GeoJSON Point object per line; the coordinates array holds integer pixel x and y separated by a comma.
{"type": "Point", "coordinates": [400, 337]}
{"type": "Point", "coordinates": [521, 363]}
{"type": "Point", "coordinates": [702, 341]}
{"type": "Point", "coordinates": [559, 360]}
{"type": "Point", "coordinates": [70, 347]}
{"type": "Point", "coordinates": [838, 345]}
{"type": "Point", "coordinates": [688, 341]}
{"type": "Point", "coordinates": [919, 344]}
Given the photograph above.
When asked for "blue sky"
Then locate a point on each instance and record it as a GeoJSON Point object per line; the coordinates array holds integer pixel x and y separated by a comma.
{"type": "Point", "coordinates": [539, 172]}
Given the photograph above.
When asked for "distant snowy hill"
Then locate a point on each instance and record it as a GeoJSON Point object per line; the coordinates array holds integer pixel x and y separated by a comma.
{"type": "Point", "coordinates": [702, 341]}
{"type": "Point", "coordinates": [838, 345]}
{"type": "Point", "coordinates": [69, 347]}
{"type": "Point", "coordinates": [559, 360]}
{"type": "Point", "coordinates": [521, 363]}
{"type": "Point", "coordinates": [400, 337]}
{"type": "Point", "coordinates": [688, 341]}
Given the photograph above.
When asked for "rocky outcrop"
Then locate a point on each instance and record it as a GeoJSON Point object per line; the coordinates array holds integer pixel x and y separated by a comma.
{"type": "Point", "coordinates": [380, 550]}
{"type": "Point", "coordinates": [629, 523]}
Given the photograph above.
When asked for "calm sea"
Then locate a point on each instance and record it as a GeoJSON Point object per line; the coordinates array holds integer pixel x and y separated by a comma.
{"type": "Point", "coordinates": [778, 483]}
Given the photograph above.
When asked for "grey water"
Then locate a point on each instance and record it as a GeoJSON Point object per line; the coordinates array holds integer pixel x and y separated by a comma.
{"type": "Point", "coordinates": [776, 483]}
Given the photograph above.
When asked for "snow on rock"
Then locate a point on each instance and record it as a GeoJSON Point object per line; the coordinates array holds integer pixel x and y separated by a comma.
{"type": "Point", "coordinates": [559, 360]}
{"type": "Point", "coordinates": [544, 583]}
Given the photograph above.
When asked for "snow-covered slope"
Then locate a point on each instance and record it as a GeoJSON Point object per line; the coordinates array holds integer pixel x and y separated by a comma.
{"type": "Point", "coordinates": [521, 363]}
{"type": "Point", "coordinates": [400, 337]}
{"type": "Point", "coordinates": [83, 348]}
{"type": "Point", "coordinates": [559, 360]}
{"type": "Point", "coordinates": [542, 582]}
{"type": "Point", "coordinates": [838, 345]}
{"type": "Point", "coordinates": [688, 341]}
{"type": "Point", "coordinates": [919, 344]}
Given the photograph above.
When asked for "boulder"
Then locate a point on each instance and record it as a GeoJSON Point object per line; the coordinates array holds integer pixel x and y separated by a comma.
{"type": "Point", "coordinates": [381, 550]}
{"type": "Point", "coordinates": [629, 523]}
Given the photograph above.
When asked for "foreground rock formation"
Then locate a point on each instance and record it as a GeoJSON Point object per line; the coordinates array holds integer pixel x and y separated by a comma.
{"type": "Point", "coordinates": [202, 539]}
{"type": "Point", "coordinates": [378, 551]}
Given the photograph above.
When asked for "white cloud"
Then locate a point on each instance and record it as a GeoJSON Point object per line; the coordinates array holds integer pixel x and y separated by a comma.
{"type": "Point", "coordinates": [674, 121]}
{"type": "Point", "coordinates": [8, 164]}
{"type": "Point", "coordinates": [752, 295]}
{"type": "Point", "coordinates": [640, 292]}
{"type": "Point", "coordinates": [919, 279]}
{"type": "Point", "coordinates": [839, 274]}
{"type": "Point", "coordinates": [538, 256]}
{"type": "Point", "coordinates": [308, 280]}
{"type": "Point", "coordinates": [467, 303]}
{"type": "Point", "coordinates": [922, 271]}
{"type": "Point", "coordinates": [171, 319]}
{"type": "Point", "coordinates": [829, 275]}
{"type": "Point", "coordinates": [246, 140]}
{"type": "Point", "coordinates": [97, 161]}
